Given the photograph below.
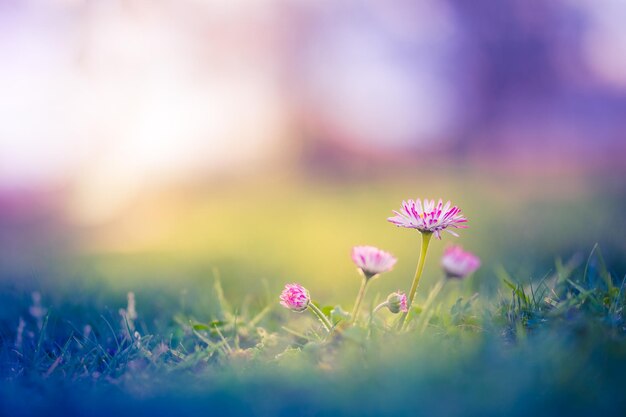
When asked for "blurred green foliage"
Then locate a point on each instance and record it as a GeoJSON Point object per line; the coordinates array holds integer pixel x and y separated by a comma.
{"type": "Point", "coordinates": [285, 230]}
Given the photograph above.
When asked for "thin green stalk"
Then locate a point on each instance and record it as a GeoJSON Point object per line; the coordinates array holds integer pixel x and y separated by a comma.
{"type": "Point", "coordinates": [321, 317]}
{"type": "Point", "coordinates": [433, 294]}
{"type": "Point", "coordinates": [359, 298]}
{"type": "Point", "coordinates": [379, 306]}
{"type": "Point", "coordinates": [418, 274]}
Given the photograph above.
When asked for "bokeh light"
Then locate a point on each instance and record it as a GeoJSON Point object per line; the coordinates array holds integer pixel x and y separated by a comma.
{"type": "Point", "coordinates": [265, 138]}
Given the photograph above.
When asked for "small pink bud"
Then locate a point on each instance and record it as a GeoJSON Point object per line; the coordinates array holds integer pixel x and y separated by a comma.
{"type": "Point", "coordinates": [295, 297]}
{"type": "Point", "coordinates": [396, 302]}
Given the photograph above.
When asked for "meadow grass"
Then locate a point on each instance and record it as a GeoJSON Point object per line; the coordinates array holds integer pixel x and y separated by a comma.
{"type": "Point", "coordinates": [538, 330]}
{"type": "Point", "coordinates": [553, 346]}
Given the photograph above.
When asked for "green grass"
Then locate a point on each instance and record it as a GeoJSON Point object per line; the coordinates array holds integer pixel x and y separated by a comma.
{"type": "Point", "coordinates": [538, 330]}
{"type": "Point", "coordinates": [552, 346]}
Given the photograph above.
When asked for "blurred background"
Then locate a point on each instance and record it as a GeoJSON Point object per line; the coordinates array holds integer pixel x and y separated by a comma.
{"type": "Point", "coordinates": [161, 142]}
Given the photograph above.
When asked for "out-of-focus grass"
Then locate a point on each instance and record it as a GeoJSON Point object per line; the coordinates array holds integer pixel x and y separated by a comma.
{"type": "Point", "coordinates": [283, 229]}
{"type": "Point", "coordinates": [551, 341]}
{"type": "Point", "coordinates": [557, 346]}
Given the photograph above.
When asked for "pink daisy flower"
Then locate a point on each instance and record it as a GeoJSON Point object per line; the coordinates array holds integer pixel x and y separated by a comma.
{"type": "Point", "coordinates": [428, 218]}
{"type": "Point", "coordinates": [372, 261]}
{"type": "Point", "coordinates": [458, 263]}
{"type": "Point", "coordinates": [295, 297]}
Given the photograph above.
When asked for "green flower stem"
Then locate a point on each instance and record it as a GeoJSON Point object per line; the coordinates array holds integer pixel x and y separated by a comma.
{"type": "Point", "coordinates": [321, 317]}
{"type": "Point", "coordinates": [418, 274]}
{"type": "Point", "coordinates": [379, 306]}
{"type": "Point", "coordinates": [359, 298]}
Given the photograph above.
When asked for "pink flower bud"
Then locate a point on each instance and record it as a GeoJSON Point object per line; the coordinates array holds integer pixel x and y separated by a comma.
{"type": "Point", "coordinates": [295, 297]}
{"type": "Point", "coordinates": [396, 302]}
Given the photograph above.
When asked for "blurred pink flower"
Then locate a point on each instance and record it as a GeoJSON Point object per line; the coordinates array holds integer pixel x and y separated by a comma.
{"type": "Point", "coordinates": [37, 310]}
{"type": "Point", "coordinates": [295, 297]}
{"type": "Point", "coordinates": [372, 261]}
{"type": "Point", "coordinates": [428, 218]}
{"type": "Point", "coordinates": [396, 302]}
{"type": "Point", "coordinates": [458, 263]}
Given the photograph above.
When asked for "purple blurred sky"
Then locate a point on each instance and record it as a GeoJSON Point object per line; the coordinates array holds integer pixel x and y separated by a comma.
{"type": "Point", "coordinates": [107, 97]}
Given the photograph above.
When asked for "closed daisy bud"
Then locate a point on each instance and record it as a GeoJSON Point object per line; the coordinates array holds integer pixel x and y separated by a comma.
{"type": "Point", "coordinates": [396, 302]}
{"type": "Point", "coordinates": [295, 297]}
